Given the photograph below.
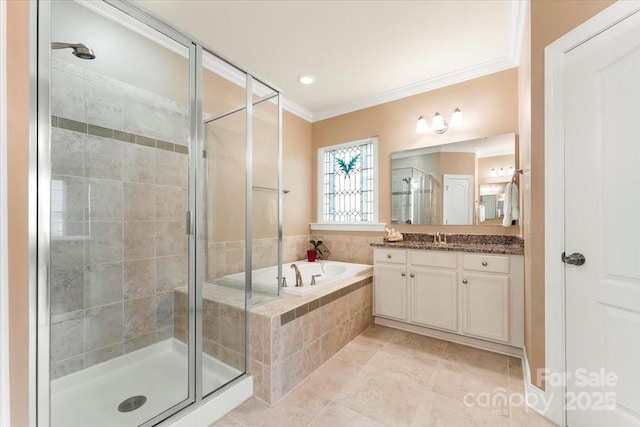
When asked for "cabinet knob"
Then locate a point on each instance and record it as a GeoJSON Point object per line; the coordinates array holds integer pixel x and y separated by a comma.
{"type": "Point", "coordinates": [465, 281]}
{"type": "Point", "coordinates": [412, 275]}
{"type": "Point", "coordinates": [403, 274]}
{"type": "Point", "coordinates": [485, 263]}
{"type": "Point", "coordinates": [389, 256]}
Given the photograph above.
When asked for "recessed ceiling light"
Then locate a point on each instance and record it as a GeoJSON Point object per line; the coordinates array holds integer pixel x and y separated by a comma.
{"type": "Point", "coordinates": [306, 79]}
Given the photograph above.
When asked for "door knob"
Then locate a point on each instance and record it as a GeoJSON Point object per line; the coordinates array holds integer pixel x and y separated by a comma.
{"type": "Point", "coordinates": [403, 274]}
{"type": "Point", "coordinates": [574, 259]}
{"type": "Point", "coordinates": [412, 275]}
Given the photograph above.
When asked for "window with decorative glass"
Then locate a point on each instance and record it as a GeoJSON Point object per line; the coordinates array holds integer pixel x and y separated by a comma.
{"type": "Point", "coordinates": [348, 185]}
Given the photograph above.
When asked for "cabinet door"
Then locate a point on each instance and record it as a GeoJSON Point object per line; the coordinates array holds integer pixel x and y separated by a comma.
{"type": "Point", "coordinates": [390, 291]}
{"type": "Point", "coordinates": [434, 298]}
{"type": "Point", "coordinates": [485, 306]}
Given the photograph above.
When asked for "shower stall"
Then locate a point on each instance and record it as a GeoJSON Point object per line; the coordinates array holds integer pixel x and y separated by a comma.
{"type": "Point", "coordinates": [159, 174]}
{"type": "Point", "coordinates": [414, 196]}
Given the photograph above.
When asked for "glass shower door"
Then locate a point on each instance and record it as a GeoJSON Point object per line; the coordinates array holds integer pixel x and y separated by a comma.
{"type": "Point", "coordinates": [224, 303]}
{"type": "Point", "coordinates": [120, 188]}
{"type": "Point", "coordinates": [241, 220]}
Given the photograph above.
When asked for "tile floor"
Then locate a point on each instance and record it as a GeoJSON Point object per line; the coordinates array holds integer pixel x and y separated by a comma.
{"type": "Point", "coordinates": [387, 377]}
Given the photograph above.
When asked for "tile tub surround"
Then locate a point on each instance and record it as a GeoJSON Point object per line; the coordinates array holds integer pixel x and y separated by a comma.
{"type": "Point", "coordinates": [290, 337]}
{"type": "Point", "coordinates": [492, 244]}
{"type": "Point", "coordinates": [348, 248]}
{"type": "Point", "coordinates": [118, 248]}
{"type": "Point", "coordinates": [223, 323]}
{"type": "Point", "coordinates": [227, 258]}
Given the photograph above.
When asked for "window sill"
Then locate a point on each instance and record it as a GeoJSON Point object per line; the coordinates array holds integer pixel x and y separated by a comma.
{"type": "Point", "coordinates": [347, 226]}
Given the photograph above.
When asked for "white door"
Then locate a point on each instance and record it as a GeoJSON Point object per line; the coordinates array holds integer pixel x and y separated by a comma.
{"type": "Point", "coordinates": [602, 222]}
{"type": "Point", "coordinates": [458, 199]}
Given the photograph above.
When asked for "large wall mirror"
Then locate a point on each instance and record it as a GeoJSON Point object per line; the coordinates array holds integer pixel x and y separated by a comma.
{"type": "Point", "coordinates": [460, 183]}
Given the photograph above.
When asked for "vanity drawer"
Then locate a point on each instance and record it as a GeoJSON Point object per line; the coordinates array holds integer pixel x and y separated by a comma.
{"type": "Point", "coordinates": [434, 259]}
{"type": "Point", "coordinates": [390, 255]}
{"type": "Point", "coordinates": [488, 263]}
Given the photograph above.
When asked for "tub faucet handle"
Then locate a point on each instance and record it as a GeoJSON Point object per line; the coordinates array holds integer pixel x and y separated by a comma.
{"type": "Point", "coordinates": [284, 282]}
{"type": "Point", "coordinates": [313, 278]}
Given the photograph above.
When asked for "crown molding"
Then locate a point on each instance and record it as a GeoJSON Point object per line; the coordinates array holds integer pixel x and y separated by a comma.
{"type": "Point", "coordinates": [517, 19]}
{"type": "Point", "coordinates": [448, 79]}
{"type": "Point", "coordinates": [516, 28]}
{"type": "Point", "coordinates": [297, 109]}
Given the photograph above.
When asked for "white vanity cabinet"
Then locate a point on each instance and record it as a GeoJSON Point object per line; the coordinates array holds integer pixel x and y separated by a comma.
{"type": "Point", "coordinates": [433, 289]}
{"type": "Point", "coordinates": [390, 287]}
{"type": "Point", "coordinates": [472, 298]}
{"type": "Point", "coordinates": [485, 296]}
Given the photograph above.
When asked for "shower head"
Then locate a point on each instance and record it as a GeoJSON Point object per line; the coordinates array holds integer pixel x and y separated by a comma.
{"type": "Point", "coordinates": [80, 50]}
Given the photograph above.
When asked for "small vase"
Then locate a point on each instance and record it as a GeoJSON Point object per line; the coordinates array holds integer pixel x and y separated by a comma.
{"type": "Point", "coordinates": [311, 255]}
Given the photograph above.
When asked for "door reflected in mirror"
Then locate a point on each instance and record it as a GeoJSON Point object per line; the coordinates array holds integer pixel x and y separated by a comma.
{"type": "Point", "coordinates": [460, 183]}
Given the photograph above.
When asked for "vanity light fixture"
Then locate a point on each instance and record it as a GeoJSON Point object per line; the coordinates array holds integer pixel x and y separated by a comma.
{"type": "Point", "coordinates": [502, 172]}
{"type": "Point", "coordinates": [439, 124]}
{"type": "Point", "coordinates": [307, 79]}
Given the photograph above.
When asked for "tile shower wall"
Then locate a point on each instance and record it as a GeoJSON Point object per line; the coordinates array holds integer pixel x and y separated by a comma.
{"type": "Point", "coordinates": [119, 192]}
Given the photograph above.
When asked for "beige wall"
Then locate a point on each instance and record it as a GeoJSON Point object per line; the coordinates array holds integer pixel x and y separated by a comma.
{"type": "Point", "coordinates": [490, 107]}
{"type": "Point", "coordinates": [549, 21]}
{"type": "Point", "coordinates": [226, 166]}
{"type": "Point", "coordinates": [17, 183]}
{"type": "Point", "coordinates": [297, 172]}
{"type": "Point", "coordinates": [500, 103]}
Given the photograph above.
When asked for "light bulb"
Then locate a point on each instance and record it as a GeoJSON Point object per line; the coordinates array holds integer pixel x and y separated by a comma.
{"type": "Point", "coordinates": [457, 120]}
{"type": "Point", "coordinates": [306, 79]}
{"type": "Point", "coordinates": [439, 125]}
{"type": "Point", "coordinates": [493, 173]}
{"type": "Point", "coordinates": [501, 172]}
{"type": "Point", "coordinates": [422, 126]}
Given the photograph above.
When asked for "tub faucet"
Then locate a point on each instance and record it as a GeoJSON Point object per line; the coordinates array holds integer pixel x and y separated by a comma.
{"type": "Point", "coordinates": [298, 276]}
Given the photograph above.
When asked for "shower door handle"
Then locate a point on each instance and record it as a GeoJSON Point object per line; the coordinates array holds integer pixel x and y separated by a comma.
{"type": "Point", "coordinates": [188, 226]}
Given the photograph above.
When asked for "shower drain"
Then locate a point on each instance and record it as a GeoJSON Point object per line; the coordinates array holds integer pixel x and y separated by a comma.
{"type": "Point", "coordinates": [132, 403]}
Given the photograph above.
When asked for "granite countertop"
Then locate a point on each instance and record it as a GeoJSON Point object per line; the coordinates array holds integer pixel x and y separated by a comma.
{"type": "Point", "coordinates": [490, 244]}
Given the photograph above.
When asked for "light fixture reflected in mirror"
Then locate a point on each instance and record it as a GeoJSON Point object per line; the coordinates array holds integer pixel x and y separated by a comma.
{"type": "Point", "coordinates": [439, 124]}
{"type": "Point", "coordinates": [502, 172]}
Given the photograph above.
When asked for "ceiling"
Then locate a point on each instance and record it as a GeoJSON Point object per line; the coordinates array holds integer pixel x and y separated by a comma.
{"type": "Point", "coordinates": [362, 53]}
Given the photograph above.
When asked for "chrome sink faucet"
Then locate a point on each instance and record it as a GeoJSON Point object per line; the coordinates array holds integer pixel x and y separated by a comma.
{"type": "Point", "coordinates": [298, 276]}
{"type": "Point", "coordinates": [439, 238]}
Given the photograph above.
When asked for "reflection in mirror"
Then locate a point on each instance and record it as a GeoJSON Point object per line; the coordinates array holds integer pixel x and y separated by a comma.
{"type": "Point", "coordinates": [457, 183]}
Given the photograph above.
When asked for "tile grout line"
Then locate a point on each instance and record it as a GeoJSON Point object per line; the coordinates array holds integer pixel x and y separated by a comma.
{"type": "Point", "coordinates": [103, 132]}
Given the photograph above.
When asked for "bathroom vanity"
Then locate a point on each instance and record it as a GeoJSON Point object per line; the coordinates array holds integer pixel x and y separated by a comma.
{"type": "Point", "coordinates": [468, 292]}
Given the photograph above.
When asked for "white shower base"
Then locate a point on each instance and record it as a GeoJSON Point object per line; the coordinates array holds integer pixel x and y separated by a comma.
{"type": "Point", "coordinates": [91, 397]}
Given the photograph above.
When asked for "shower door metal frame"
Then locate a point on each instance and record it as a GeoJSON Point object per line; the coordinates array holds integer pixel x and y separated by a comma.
{"type": "Point", "coordinates": [39, 210]}
{"type": "Point", "coordinates": [201, 214]}
{"type": "Point", "coordinates": [40, 177]}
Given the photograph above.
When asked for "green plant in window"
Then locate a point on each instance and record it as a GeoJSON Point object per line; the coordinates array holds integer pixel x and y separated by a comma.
{"type": "Point", "coordinates": [347, 167]}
